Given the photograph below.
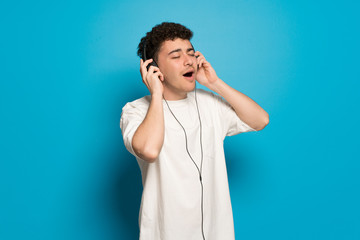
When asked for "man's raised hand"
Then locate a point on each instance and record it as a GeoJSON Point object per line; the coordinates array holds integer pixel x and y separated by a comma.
{"type": "Point", "coordinates": [152, 78]}
{"type": "Point", "coordinates": [205, 75]}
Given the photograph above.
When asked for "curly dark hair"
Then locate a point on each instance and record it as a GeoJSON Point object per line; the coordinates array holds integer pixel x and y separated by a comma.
{"type": "Point", "coordinates": [159, 34]}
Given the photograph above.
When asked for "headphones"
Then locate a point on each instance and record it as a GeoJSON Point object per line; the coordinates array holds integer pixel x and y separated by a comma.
{"type": "Point", "coordinates": [153, 63]}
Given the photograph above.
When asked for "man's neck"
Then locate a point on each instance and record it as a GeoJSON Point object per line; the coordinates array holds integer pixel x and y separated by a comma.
{"type": "Point", "coordinates": [171, 96]}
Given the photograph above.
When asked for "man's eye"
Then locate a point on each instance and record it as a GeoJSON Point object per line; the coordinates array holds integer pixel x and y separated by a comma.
{"type": "Point", "coordinates": [176, 57]}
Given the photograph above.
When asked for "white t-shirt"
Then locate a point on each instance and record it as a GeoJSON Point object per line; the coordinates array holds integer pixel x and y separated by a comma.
{"type": "Point", "coordinates": [171, 199]}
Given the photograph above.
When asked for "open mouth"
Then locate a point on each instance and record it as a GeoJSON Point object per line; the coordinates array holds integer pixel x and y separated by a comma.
{"type": "Point", "coordinates": [189, 74]}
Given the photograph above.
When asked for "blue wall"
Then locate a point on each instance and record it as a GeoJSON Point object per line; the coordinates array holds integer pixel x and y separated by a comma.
{"type": "Point", "coordinates": [68, 68]}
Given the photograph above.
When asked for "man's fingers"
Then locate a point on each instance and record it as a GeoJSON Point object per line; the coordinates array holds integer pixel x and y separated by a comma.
{"type": "Point", "coordinates": [143, 65]}
{"type": "Point", "coordinates": [147, 73]}
{"type": "Point", "coordinates": [198, 54]}
{"type": "Point", "coordinates": [199, 58]}
{"type": "Point", "coordinates": [148, 61]}
{"type": "Point", "coordinates": [154, 72]}
{"type": "Point", "coordinates": [145, 81]}
{"type": "Point", "coordinates": [152, 69]}
{"type": "Point", "coordinates": [201, 61]}
{"type": "Point", "coordinates": [159, 75]}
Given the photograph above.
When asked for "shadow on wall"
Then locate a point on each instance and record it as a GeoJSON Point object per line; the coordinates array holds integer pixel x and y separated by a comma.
{"type": "Point", "coordinates": [237, 164]}
{"type": "Point", "coordinates": [123, 186]}
{"type": "Point", "coordinates": [124, 196]}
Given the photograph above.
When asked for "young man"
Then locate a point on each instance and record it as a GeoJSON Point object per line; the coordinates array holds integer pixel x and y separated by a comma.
{"type": "Point", "coordinates": [176, 134]}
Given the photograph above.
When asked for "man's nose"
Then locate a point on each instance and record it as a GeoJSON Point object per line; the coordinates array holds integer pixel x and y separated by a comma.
{"type": "Point", "coordinates": [188, 60]}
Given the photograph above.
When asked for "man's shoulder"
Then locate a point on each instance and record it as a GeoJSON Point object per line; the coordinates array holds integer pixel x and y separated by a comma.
{"type": "Point", "coordinates": [141, 104]}
{"type": "Point", "coordinates": [206, 95]}
{"type": "Point", "coordinates": [202, 92]}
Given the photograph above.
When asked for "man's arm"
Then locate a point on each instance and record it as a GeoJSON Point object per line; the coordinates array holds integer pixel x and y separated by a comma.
{"type": "Point", "coordinates": [246, 109]}
{"type": "Point", "coordinates": [148, 139]}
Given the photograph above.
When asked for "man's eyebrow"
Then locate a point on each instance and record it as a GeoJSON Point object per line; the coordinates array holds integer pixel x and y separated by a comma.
{"type": "Point", "coordinates": [179, 50]}
{"type": "Point", "coordinates": [176, 50]}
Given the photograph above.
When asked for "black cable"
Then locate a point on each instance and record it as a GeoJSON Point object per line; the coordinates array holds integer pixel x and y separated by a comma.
{"type": "Point", "coordinates": [199, 170]}
{"type": "Point", "coordinates": [202, 187]}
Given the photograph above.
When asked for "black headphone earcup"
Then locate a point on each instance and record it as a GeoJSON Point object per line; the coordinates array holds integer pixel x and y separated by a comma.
{"type": "Point", "coordinates": [151, 64]}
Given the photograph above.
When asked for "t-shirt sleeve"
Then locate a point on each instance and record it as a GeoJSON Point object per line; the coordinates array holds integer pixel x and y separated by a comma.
{"type": "Point", "coordinates": [131, 118]}
{"type": "Point", "coordinates": [231, 123]}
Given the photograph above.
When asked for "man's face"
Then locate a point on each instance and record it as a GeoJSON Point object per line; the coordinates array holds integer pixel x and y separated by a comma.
{"type": "Point", "coordinates": [177, 62]}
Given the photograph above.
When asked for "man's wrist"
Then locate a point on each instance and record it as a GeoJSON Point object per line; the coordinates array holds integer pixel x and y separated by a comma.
{"type": "Point", "coordinates": [216, 86]}
{"type": "Point", "coordinates": [157, 96]}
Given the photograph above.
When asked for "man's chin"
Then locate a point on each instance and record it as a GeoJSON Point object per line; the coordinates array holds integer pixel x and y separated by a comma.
{"type": "Point", "coordinates": [191, 87]}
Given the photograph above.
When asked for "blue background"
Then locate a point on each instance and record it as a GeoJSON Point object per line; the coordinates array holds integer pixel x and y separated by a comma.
{"type": "Point", "coordinates": [68, 68]}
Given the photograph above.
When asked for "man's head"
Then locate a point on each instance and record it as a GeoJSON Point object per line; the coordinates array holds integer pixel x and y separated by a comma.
{"type": "Point", "coordinates": [168, 44]}
{"type": "Point", "coordinates": [159, 34]}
